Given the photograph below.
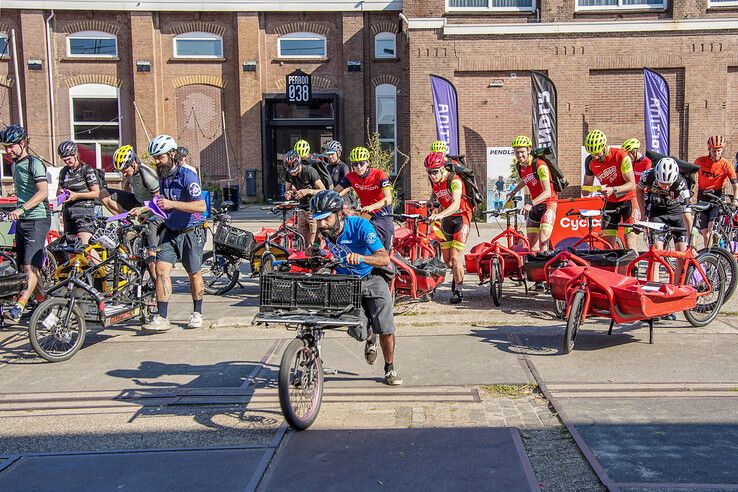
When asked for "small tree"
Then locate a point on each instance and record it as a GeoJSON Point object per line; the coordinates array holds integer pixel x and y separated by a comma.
{"type": "Point", "coordinates": [384, 159]}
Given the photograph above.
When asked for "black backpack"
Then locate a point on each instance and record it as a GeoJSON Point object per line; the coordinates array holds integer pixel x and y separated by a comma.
{"type": "Point", "coordinates": [559, 181]}
{"type": "Point", "coordinates": [101, 181]}
{"type": "Point", "coordinates": [473, 195]}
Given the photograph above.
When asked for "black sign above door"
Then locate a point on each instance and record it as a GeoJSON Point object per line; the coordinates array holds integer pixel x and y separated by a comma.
{"type": "Point", "coordinates": [299, 87]}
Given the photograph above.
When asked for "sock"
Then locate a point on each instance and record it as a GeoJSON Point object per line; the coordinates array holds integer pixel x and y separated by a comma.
{"type": "Point", "coordinates": [21, 304]}
{"type": "Point", "coordinates": [458, 288]}
{"type": "Point", "coordinates": [198, 305]}
{"type": "Point", "coordinates": [453, 285]}
{"type": "Point", "coordinates": [162, 307]}
{"type": "Point", "coordinates": [389, 367]}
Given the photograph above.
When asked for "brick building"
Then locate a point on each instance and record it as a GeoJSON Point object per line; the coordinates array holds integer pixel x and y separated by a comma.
{"type": "Point", "coordinates": [593, 50]}
{"type": "Point", "coordinates": [128, 70]}
{"type": "Point", "coordinates": [125, 71]}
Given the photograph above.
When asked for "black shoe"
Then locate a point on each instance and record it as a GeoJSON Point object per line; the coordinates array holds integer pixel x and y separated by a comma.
{"type": "Point", "coordinates": [668, 317]}
{"type": "Point", "coordinates": [455, 297]}
{"type": "Point", "coordinates": [539, 287]}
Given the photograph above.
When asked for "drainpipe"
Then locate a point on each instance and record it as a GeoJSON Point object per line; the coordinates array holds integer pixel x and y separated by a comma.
{"type": "Point", "coordinates": [18, 93]}
{"type": "Point", "coordinates": [52, 107]}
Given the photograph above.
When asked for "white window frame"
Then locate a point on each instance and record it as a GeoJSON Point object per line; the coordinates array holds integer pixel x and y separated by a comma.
{"type": "Point", "coordinates": [490, 8]}
{"type": "Point", "coordinates": [307, 36]}
{"type": "Point", "coordinates": [385, 36]}
{"type": "Point", "coordinates": [4, 35]}
{"type": "Point", "coordinates": [712, 4]}
{"type": "Point", "coordinates": [93, 91]}
{"type": "Point", "coordinates": [384, 91]}
{"type": "Point", "coordinates": [91, 35]}
{"type": "Point", "coordinates": [620, 6]}
{"type": "Point", "coordinates": [197, 36]}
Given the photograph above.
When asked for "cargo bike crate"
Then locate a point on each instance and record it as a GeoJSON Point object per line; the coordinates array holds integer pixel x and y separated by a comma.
{"type": "Point", "coordinates": [325, 293]}
{"type": "Point", "coordinates": [234, 241]}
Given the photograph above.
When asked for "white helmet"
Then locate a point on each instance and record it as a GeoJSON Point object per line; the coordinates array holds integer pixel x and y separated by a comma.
{"type": "Point", "coordinates": [667, 171]}
{"type": "Point", "coordinates": [162, 144]}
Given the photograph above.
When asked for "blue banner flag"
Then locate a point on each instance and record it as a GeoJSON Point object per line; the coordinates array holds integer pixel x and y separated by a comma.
{"type": "Point", "coordinates": [446, 111]}
{"type": "Point", "coordinates": [656, 110]}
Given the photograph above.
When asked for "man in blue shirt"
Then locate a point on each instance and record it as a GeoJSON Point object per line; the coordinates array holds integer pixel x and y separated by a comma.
{"type": "Point", "coordinates": [355, 241]}
{"type": "Point", "coordinates": [184, 236]}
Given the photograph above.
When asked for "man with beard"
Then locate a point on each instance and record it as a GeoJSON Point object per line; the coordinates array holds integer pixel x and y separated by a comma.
{"type": "Point", "coordinates": [355, 241]}
{"type": "Point", "coordinates": [32, 215]}
{"type": "Point", "coordinates": [184, 236]}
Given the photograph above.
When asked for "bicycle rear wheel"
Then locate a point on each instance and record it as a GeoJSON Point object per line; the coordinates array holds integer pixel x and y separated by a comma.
{"type": "Point", "coordinates": [300, 384]}
{"type": "Point", "coordinates": [708, 305]}
{"type": "Point", "coordinates": [219, 273]}
{"type": "Point", "coordinates": [729, 266]}
{"type": "Point", "coordinates": [52, 337]}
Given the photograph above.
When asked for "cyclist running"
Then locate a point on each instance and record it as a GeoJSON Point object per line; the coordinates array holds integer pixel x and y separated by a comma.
{"type": "Point", "coordinates": [336, 167]}
{"type": "Point", "coordinates": [640, 162]}
{"type": "Point", "coordinates": [184, 236]}
{"type": "Point", "coordinates": [302, 182]}
{"type": "Point", "coordinates": [374, 191]}
{"type": "Point", "coordinates": [80, 181]}
{"type": "Point", "coordinates": [354, 240]}
{"type": "Point", "coordinates": [455, 217]}
{"type": "Point", "coordinates": [714, 170]}
{"type": "Point", "coordinates": [614, 170]}
{"type": "Point", "coordinates": [33, 217]}
{"type": "Point", "coordinates": [140, 183]}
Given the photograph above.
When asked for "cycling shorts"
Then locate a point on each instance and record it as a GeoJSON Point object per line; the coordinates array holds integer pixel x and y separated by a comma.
{"type": "Point", "coordinates": [709, 215]}
{"type": "Point", "coordinates": [673, 220]}
{"type": "Point", "coordinates": [78, 219]}
{"type": "Point", "coordinates": [455, 231]}
{"type": "Point", "coordinates": [541, 217]}
{"type": "Point", "coordinates": [617, 213]}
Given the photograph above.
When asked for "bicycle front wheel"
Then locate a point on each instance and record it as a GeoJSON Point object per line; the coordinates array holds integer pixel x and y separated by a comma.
{"type": "Point", "coordinates": [300, 384]}
{"type": "Point", "coordinates": [219, 273]}
{"type": "Point", "coordinates": [709, 304]}
{"type": "Point", "coordinates": [729, 267]}
{"type": "Point", "coordinates": [52, 336]}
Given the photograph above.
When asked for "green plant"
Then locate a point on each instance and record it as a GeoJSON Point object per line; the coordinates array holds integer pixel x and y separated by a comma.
{"type": "Point", "coordinates": [383, 158]}
{"type": "Point", "coordinates": [212, 187]}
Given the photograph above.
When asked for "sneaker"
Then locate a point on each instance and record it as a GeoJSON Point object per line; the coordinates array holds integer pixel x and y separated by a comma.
{"type": "Point", "coordinates": [669, 317]}
{"type": "Point", "coordinates": [455, 297]}
{"type": "Point", "coordinates": [195, 320]}
{"type": "Point", "coordinates": [370, 351]}
{"type": "Point", "coordinates": [539, 287]}
{"type": "Point", "coordinates": [158, 324]}
{"type": "Point", "coordinates": [14, 313]}
{"type": "Point", "coordinates": [392, 378]}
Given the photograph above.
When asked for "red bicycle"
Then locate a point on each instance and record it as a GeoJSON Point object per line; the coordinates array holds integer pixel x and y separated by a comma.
{"type": "Point", "coordinates": [592, 240]}
{"type": "Point", "coordinates": [417, 244]}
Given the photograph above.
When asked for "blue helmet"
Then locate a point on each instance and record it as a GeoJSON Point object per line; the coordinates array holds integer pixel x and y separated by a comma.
{"type": "Point", "coordinates": [12, 134]}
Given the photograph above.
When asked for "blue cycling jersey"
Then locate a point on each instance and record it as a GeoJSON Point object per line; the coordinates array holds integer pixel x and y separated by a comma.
{"type": "Point", "coordinates": [182, 185]}
{"type": "Point", "coordinates": [358, 236]}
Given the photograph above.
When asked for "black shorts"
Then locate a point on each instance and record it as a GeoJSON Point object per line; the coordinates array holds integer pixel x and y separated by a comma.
{"type": "Point", "coordinates": [385, 229]}
{"type": "Point", "coordinates": [709, 215]}
{"type": "Point", "coordinates": [673, 220]}
{"type": "Point", "coordinates": [376, 309]}
{"type": "Point", "coordinates": [78, 219]}
{"type": "Point", "coordinates": [125, 199]}
{"type": "Point", "coordinates": [617, 213]}
{"type": "Point", "coordinates": [455, 229]}
{"type": "Point", "coordinates": [30, 238]}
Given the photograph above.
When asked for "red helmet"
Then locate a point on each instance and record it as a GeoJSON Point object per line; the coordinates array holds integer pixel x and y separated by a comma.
{"type": "Point", "coordinates": [715, 142]}
{"type": "Point", "coordinates": [435, 160]}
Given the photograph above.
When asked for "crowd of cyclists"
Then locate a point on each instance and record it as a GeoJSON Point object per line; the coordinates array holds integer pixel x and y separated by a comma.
{"type": "Point", "coordinates": [360, 234]}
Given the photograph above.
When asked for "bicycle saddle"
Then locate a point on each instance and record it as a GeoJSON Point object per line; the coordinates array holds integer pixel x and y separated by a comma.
{"type": "Point", "coordinates": [589, 213]}
{"type": "Point", "coordinates": [700, 206]}
{"type": "Point", "coordinates": [655, 226]}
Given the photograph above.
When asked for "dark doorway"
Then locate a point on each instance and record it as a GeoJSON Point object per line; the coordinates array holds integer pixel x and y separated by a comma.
{"type": "Point", "coordinates": [285, 124]}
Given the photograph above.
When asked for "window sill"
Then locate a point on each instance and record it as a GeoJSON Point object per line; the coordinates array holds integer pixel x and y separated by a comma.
{"type": "Point", "coordinates": [386, 60]}
{"type": "Point", "coordinates": [96, 59]}
{"type": "Point", "coordinates": [722, 8]}
{"type": "Point", "coordinates": [195, 59]}
{"type": "Point", "coordinates": [301, 60]}
{"type": "Point", "coordinates": [487, 13]}
{"type": "Point", "coordinates": [618, 10]}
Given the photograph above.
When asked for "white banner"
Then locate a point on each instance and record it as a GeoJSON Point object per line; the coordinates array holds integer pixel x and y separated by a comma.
{"type": "Point", "coordinates": [499, 160]}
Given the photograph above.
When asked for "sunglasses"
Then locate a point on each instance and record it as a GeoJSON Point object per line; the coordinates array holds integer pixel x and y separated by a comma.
{"type": "Point", "coordinates": [359, 164]}
{"type": "Point", "coordinates": [433, 172]}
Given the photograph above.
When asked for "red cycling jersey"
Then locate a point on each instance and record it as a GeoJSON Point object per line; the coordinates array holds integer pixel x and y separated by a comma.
{"type": "Point", "coordinates": [444, 193]}
{"type": "Point", "coordinates": [611, 171]}
{"type": "Point", "coordinates": [641, 166]}
{"type": "Point", "coordinates": [368, 188]}
{"type": "Point", "coordinates": [534, 181]}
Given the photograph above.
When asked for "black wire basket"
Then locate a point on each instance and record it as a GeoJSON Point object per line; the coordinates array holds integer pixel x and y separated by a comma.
{"type": "Point", "coordinates": [311, 292]}
{"type": "Point", "coordinates": [233, 240]}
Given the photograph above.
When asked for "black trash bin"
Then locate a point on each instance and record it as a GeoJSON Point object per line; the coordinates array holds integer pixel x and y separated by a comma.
{"type": "Point", "coordinates": [250, 182]}
{"type": "Point", "coordinates": [232, 193]}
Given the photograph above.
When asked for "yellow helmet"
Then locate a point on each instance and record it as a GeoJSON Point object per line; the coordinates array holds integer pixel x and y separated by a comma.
{"type": "Point", "coordinates": [439, 146]}
{"type": "Point", "coordinates": [359, 154]}
{"type": "Point", "coordinates": [630, 144]}
{"type": "Point", "coordinates": [124, 157]}
{"type": "Point", "coordinates": [302, 148]}
{"type": "Point", "coordinates": [521, 141]}
{"type": "Point", "coordinates": [595, 142]}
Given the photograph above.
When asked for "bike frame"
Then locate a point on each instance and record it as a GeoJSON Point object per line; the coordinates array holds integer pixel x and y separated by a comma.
{"type": "Point", "coordinates": [416, 243]}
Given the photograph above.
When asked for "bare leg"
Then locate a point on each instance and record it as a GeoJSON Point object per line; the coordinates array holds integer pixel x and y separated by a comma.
{"type": "Point", "coordinates": [34, 281]}
{"type": "Point", "coordinates": [456, 266]}
{"type": "Point", "coordinates": [197, 287]}
{"type": "Point", "coordinates": [533, 238]}
{"type": "Point", "coordinates": [631, 241]}
{"type": "Point", "coordinates": [387, 343]}
{"type": "Point", "coordinates": [163, 281]}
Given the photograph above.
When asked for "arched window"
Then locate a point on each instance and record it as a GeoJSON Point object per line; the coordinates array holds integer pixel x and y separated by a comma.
{"type": "Point", "coordinates": [384, 45]}
{"type": "Point", "coordinates": [302, 45]}
{"type": "Point", "coordinates": [198, 45]}
{"type": "Point", "coordinates": [95, 122]}
{"type": "Point", "coordinates": [92, 44]}
{"type": "Point", "coordinates": [386, 125]}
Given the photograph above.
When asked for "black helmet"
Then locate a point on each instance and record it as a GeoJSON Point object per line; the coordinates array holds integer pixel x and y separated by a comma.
{"type": "Point", "coordinates": [324, 203]}
{"type": "Point", "coordinates": [67, 148]}
{"type": "Point", "coordinates": [181, 152]}
{"type": "Point", "coordinates": [12, 134]}
{"type": "Point", "coordinates": [291, 159]}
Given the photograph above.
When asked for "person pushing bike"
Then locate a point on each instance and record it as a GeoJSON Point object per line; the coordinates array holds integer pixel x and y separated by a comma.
{"type": "Point", "coordinates": [301, 183]}
{"type": "Point", "coordinates": [374, 190]}
{"type": "Point", "coordinates": [714, 170]}
{"type": "Point", "coordinates": [455, 217]}
{"type": "Point", "coordinates": [355, 241]}
{"type": "Point", "coordinates": [614, 170]}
